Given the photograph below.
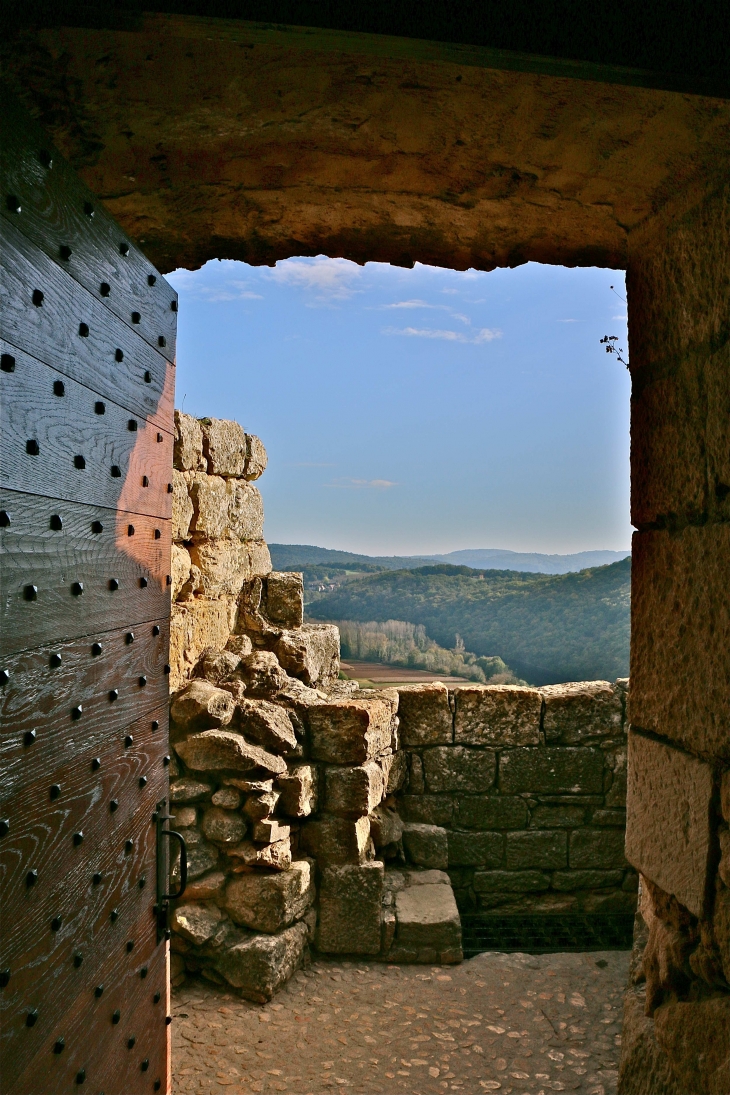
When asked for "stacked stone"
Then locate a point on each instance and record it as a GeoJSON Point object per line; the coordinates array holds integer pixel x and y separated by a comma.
{"type": "Point", "coordinates": [520, 794]}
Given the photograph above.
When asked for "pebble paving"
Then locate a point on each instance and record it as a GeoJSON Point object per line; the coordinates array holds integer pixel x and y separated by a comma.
{"type": "Point", "coordinates": [512, 1024]}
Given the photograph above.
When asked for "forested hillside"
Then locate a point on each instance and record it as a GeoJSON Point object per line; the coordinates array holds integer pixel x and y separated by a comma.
{"type": "Point", "coordinates": [547, 628]}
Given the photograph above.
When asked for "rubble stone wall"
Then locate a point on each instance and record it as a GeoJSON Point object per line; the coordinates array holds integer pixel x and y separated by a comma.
{"type": "Point", "coordinates": [520, 793]}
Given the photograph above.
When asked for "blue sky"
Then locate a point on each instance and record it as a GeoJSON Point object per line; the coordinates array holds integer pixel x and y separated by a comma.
{"type": "Point", "coordinates": [424, 410]}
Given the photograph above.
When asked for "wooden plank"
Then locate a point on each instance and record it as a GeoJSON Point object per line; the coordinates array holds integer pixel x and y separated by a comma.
{"type": "Point", "coordinates": [50, 330]}
{"type": "Point", "coordinates": [101, 675]}
{"type": "Point", "coordinates": [34, 554]}
{"type": "Point", "coordinates": [54, 206]}
{"type": "Point", "coordinates": [59, 421]}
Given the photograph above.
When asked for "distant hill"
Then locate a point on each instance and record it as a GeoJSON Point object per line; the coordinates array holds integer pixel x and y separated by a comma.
{"type": "Point", "coordinates": [547, 628]}
{"type": "Point", "coordinates": [303, 556]}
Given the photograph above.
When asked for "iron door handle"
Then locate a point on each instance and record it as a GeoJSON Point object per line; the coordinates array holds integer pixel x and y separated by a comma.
{"type": "Point", "coordinates": [183, 864]}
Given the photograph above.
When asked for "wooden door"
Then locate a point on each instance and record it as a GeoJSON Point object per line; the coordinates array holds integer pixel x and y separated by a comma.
{"type": "Point", "coordinates": [86, 419]}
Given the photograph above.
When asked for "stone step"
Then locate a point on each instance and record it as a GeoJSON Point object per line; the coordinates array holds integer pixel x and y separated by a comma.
{"type": "Point", "coordinates": [420, 919]}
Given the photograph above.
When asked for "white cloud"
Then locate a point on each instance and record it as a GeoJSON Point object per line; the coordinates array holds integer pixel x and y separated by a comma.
{"type": "Point", "coordinates": [624, 318]}
{"type": "Point", "coordinates": [567, 321]}
{"type": "Point", "coordinates": [416, 304]}
{"type": "Point", "coordinates": [363, 484]}
{"type": "Point", "coordinates": [486, 334]}
{"type": "Point", "coordinates": [186, 281]}
{"type": "Point", "coordinates": [329, 279]}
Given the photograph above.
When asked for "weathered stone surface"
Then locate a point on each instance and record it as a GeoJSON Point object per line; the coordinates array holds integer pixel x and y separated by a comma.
{"type": "Point", "coordinates": [256, 458]}
{"type": "Point", "coordinates": [259, 807]}
{"type": "Point", "coordinates": [202, 857]}
{"type": "Point", "coordinates": [428, 918]}
{"type": "Point", "coordinates": [551, 771]}
{"type": "Point", "coordinates": [539, 850]}
{"type": "Point", "coordinates": [268, 724]}
{"type": "Point", "coordinates": [386, 826]}
{"type": "Point", "coordinates": [668, 806]}
{"type": "Point", "coordinates": [349, 909]}
{"type": "Point", "coordinates": [311, 653]}
{"type": "Point", "coordinates": [258, 965]}
{"type": "Point", "coordinates": [458, 768]}
{"type": "Point", "coordinates": [182, 507]}
{"type": "Point", "coordinates": [245, 510]}
{"type": "Point", "coordinates": [202, 706]}
{"type": "Point", "coordinates": [284, 598]}
{"type": "Point", "coordinates": [196, 923]}
{"type": "Point", "coordinates": [270, 831]}
{"type": "Point", "coordinates": [188, 444]}
{"type": "Point", "coordinates": [602, 848]}
{"type": "Point", "coordinates": [298, 790]}
{"type": "Point", "coordinates": [416, 780]}
{"type": "Point", "coordinates": [247, 854]}
{"type": "Point", "coordinates": [209, 498]}
{"type": "Point", "coordinates": [216, 749]}
{"type": "Point", "coordinates": [256, 786]}
{"type": "Point", "coordinates": [262, 673]}
{"type": "Point", "coordinates": [224, 446]}
{"type": "Point", "coordinates": [270, 902]}
{"type": "Point", "coordinates": [208, 887]}
{"type": "Point", "coordinates": [398, 772]}
{"type": "Point", "coordinates": [226, 564]}
{"type": "Point", "coordinates": [186, 789]}
{"type": "Point", "coordinates": [352, 731]}
{"type": "Point", "coordinates": [425, 715]}
{"type": "Point", "coordinates": [195, 625]}
{"type": "Point", "coordinates": [180, 564]}
{"type": "Point", "coordinates": [185, 817]}
{"type": "Point", "coordinates": [500, 714]}
{"type": "Point", "coordinates": [223, 826]}
{"type": "Point", "coordinates": [353, 792]}
{"type": "Point", "coordinates": [336, 839]}
{"type": "Point", "coordinates": [581, 710]}
{"type": "Point", "coordinates": [721, 927]}
{"type": "Point", "coordinates": [490, 812]}
{"type": "Point", "coordinates": [610, 818]}
{"type": "Point", "coordinates": [644, 1067]}
{"type": "Point", "coordinates": [476, 849]}
{"type": "Point", "coordinates": [510, 881]}
{"type": "Point", "coordinates": [557, 817]}
{"type": "Point", "coordinates": [586, 880]}
{"type": "Point", "coordinates": [725, 795]}
{"type": "Point", "coordinates": [724, 864]}
{"type": "Point", "coordinates": [217, 666]}
{"type": "Point", "coordinates": [432, 809]}
{"type": "Point", "coordinates": [426, 845]}
{"type": "Point", "coordinates": [694, 1036]}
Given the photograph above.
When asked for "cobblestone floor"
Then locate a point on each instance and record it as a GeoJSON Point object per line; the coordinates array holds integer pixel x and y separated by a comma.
{"type": "Point", "coordinates": [504, 1023]}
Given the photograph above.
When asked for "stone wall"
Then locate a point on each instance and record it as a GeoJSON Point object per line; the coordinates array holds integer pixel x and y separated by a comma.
{"type": "Point", "coordinates": [520, 793]}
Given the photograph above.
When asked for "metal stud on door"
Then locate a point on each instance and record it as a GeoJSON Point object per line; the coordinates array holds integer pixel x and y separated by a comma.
{"type": "Point", "coordinates": [87, 341]}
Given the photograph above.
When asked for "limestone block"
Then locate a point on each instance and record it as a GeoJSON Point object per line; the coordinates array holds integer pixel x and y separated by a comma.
{"type": "Point", "coordinates": [581, 710]}
{"type": "Point", "coordinates": [490, 812]}
{"type": "Point", "coordinates": [537, 850]}
{"type": "Point", "coordinates": [476, 849]}
{"type": "Point", "coordinates": [259, 558]}
{"type": "Point", "coordinates": [270, 831]}
{"type": "Point", "coordinates": [679, 623]}
{"type": "Point", "coordinates": [217, 666]}
{"type": "Point", "coordinates": [259, 807]}
{"type": "Point", "coordinates": [694, 1035]}
{"type": "Point", "coordinates": [202, 857]}
{"type": "Point", "coordinates": [610, 818]}
{"type": "Point", "coordinates": [500, 714]}
{"type": "Point", "coordinates": [257, 785]}
{"type": "Point", "coordinates": [224, 565]}
{"type": "Point", "coordinates": [724, 865]}
{"type": "Point", "coordinates": [270, 902]}
{"type": "Point", "coordinates": [557, 817]}
{"type": "Point", "coordinates": [669, 806]}
{"type": "Point", "coordinates": [215, 749]}
{"type": "Point", "coordinates": [586, 880]}
{"type": "Point", "coordinates": [245, 510]}
{"type": "Point", "coordinates": [256, 458]}
{"type": "Point", "coordinates": [209, 498]}
{"type": "Point", "coordinates": [196, 923]}
{"type": "Point", "coordinates": [721, 927]}
{"type": "Point", "coordinates": [258, 965]}
{"type": "Point", "coordinates": [597, 848]}
{"type": "Point", "coordinates": [644, 1067]}
{"type": "Point", "coordinates": [350, 899]}
{"type": "Point", "coordinates": [202, 706]}
{"type": "Point", "coordinates": [195, 625]}
{"type": "Point", "coordinates": [336, 839]}
{"type": "Point", "coordinates": [386, 826]}
{"type": "Point", "coordinates": [725, 795]}
{"type": "Point", "coordinates": [223, 826]}
{"type": "Point", "coordinates": [459, 768]}
{"type": "Point", "coordinates": [262, 673]}
{"type": "Point", "coordinates": [240, 645]}
{"type": "Point", "coordinates": [397, 772]}
{"type": "Point", "coordinates": [428, 918]}
{"type": "Point", "coordinates": [209, 887]}
{"type": "Point", "coordinates": [276, 856]}
{"type": "Point", "coordinates": [416, 781]}
{"type": "Point", "coordinates": [562, 770]}
{"type": "Point", "coordinates": [188, 444]}
{"type": "Point", "coordinates": [311, 653]}
{"type": "Point", "coordinates": [353, 792]}
{"type": "Point", "coordinates": [352, 731]}
{"type": "Point", "coordinates": [425, 715]}
{"type": "Point", "coordinates": [298, 790]}
{"type": "Point", "coordinates": [267, 724]}
{"type": "Point", "coordinates": [182, 507]}
{"type": "Point", "coordinates": [432, 809]}
{"type": "Point", "coordinates": [426, 845]}
{"type": "Point", "coordinates": [224, 446]}
{"type": "Point", "coordinates": [186, 789]}
{"type": "Point", "coordinates": [180, 563]}
{"type": "Point", "coordinates": [510, 881]}
{"type": "Point", "coordinates": [185, 817]}
{"type": "Point", "coordinates": [284, 598]}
